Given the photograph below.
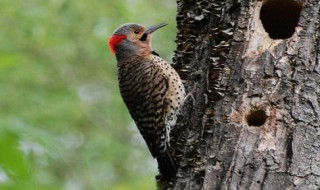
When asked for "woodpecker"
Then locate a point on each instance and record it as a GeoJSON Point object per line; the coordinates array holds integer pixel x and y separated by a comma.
{"type": "Point", "coordinates": [151, 89]}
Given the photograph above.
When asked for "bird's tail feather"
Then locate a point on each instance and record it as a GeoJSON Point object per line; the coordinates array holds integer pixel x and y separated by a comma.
{"type": "Point", "coordinates": [166, 164]}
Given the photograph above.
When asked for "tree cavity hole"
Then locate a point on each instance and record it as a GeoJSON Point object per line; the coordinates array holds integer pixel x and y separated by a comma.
{"type": "Point", "coordinates": [256, 118]}
{"type": "Point", "coordinates": [280, 17]}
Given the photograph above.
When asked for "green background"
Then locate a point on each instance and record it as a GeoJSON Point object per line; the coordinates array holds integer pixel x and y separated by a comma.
{"type": "Point", "coordinates": [63, 125]}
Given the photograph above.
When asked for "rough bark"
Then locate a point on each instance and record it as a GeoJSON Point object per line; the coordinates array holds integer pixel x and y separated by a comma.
{"type": "Point", "coordinates": [255, 120]}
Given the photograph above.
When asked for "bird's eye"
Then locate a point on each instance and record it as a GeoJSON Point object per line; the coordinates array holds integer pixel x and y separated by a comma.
{"type": "Point", "coordinates": [136, 31]}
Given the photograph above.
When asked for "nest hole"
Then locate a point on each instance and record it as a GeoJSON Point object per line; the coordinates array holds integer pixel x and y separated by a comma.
{"type": "Point", "coordinates": [280, 17]}
{"type": "Point", "coordinates": [256, 118]}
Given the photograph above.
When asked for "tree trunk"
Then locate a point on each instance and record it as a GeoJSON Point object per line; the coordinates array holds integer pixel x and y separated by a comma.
{"type": "Point", "coordinates": [254, 122]}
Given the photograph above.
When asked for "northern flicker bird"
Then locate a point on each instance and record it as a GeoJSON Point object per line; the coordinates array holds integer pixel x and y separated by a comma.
{"type": "Point", "coordinates": [151, 89]}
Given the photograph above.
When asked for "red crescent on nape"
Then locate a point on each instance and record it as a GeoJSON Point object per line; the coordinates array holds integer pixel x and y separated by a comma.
{"type": "Point", "coordinates": [114, 41]}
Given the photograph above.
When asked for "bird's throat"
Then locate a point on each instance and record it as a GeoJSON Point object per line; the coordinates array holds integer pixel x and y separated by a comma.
{"type": "Point", "coordinates": [114, 41]}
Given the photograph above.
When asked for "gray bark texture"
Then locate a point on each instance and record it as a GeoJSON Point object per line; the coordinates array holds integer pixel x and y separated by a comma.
{"type": "Point", "coordinates": [254, 122]}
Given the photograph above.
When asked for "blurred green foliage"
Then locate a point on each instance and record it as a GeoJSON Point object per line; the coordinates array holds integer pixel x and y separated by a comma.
{"type": "Point", "coordinates": [63, 125]}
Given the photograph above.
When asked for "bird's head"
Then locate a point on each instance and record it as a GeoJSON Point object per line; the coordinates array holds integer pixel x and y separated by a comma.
{"type": "Point", "coordinates": [132, 39]}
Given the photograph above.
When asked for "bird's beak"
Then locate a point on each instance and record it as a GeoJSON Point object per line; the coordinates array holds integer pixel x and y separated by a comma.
{"type": "Point", "coordinates": [150, 30]}
{"type": "Point", "coordinates": [153, 28]}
